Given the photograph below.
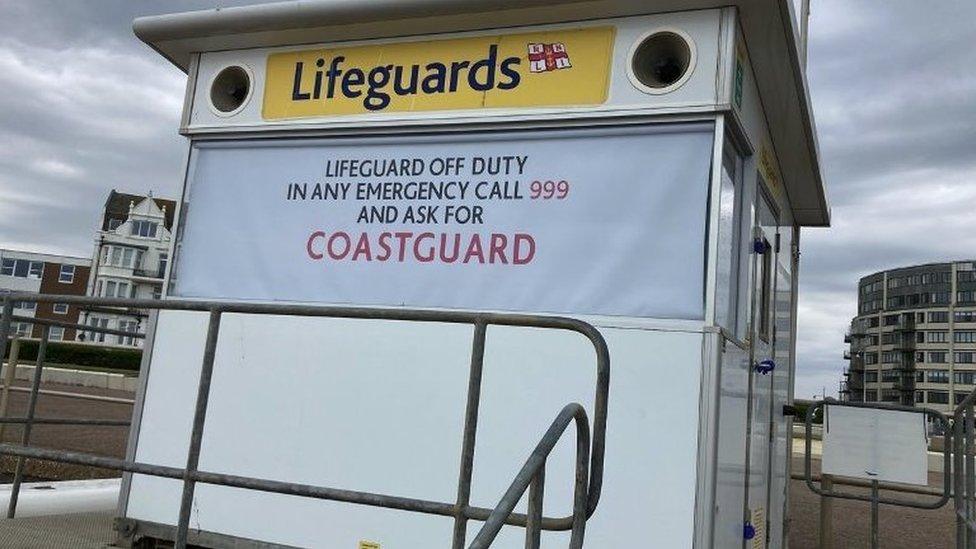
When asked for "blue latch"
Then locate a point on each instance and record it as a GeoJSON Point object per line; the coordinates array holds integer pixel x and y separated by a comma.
{"type": "Point", "coordinates": [765, 366]}
{"type": "Point", "coordinates": [748, 531]}
{"type": "Point", "coordinates": [760, 246]}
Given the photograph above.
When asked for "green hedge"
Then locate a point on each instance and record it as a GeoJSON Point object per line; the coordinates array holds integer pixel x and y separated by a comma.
{"type": "Point", "coordinates": [801, 414]}
{"type": "Point", "coordinates": [82, 355]}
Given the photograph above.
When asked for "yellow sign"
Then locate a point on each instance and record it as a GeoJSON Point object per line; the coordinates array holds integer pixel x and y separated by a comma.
{"type": "Point", "coordinates": [767, 167]}
{"type": "Point", "coordinates": [551, 68]}
{"type": "Point", "coordinates": [368, 545]}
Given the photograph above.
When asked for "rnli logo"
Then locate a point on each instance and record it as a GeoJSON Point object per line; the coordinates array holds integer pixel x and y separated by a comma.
{"type": "Point", "coordinates": [548, 57]}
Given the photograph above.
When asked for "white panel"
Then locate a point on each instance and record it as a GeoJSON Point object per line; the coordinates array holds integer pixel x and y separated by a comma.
{"type": "Point", "coordinates": [379, 407]}
{"type": "Point", "coordinates": [884, 445]}
{"type": "Point", "coordinates": [730, 476]}
{"type": "Point", "coordinates": [634, 211]}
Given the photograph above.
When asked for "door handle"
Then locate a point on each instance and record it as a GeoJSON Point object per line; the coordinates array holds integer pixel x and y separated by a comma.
{"type": "Point", "coordinates": [765, 366]}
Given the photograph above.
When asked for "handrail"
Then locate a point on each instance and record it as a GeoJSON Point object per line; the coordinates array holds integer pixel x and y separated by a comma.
{"type": "Point", "coordinates": [589, 482]}
{"type": "Point", "coordinates": [532, 475]}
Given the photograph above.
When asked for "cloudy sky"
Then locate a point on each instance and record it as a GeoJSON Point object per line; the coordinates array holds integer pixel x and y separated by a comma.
{"type": "Point", "coordinates": [86, 108]}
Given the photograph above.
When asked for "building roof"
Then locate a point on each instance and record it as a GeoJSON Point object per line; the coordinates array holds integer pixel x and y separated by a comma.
{"type": "Point", "coordinates": [44, 256]}
{"type": "Point", "coordinates": [117, 207]}
{"type": "Point", "coordinates": [937, 265]}
{"type": "Point", "coordinates": [770, 33]}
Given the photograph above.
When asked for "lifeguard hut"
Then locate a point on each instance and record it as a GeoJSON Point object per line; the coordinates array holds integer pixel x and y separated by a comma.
{"type": "Point", "coordinates": [414, 233]}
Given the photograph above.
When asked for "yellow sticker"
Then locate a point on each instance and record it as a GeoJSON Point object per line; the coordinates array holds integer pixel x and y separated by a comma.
{"type": "Point", "coordinates": [552, 68]}
{"type": "Point", "coordinates": [759, 523]}
{"type": "Point", "coordinates": [363, 544]}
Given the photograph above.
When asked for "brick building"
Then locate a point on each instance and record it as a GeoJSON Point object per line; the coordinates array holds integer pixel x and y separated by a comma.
{"type": "Point", "coordinates": [40, 273]}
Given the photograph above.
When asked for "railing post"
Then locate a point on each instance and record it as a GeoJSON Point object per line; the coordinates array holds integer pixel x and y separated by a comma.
{"type": "Point", "coordinates": [470, 434]}
{"type": "Point", "coordinates": [874, 515]}
{"type": "Point", "coordinates": [958, 484]}
{"type": "Point", "coordinates": [533, 524]}
{"type": "Point", "coordinates": [9, 374]}
{"type": "Point", "coordinates": [826, 513]}
{"type": "Point", "coordinates": [5, 319]}
{"type": "Point", "coordinates": [29, 424]}
{"type": "Point", "coordinates": [196, 436]}
{"type": "Point", "coordinates": [970, 475]}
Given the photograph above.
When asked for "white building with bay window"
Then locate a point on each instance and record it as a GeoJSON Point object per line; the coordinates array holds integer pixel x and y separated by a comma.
{"type": "Point", "coordinates": [131, 256]}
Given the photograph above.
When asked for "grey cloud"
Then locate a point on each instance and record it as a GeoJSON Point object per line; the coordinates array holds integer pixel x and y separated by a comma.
{"type": "Point", "coordinates": [895, 105]}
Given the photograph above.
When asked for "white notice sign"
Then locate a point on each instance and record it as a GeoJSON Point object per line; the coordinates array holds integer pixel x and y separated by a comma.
{"type": "Point", "coordinates": [883, 445]}
{"type": "Point", "coordinates": [607, 221]}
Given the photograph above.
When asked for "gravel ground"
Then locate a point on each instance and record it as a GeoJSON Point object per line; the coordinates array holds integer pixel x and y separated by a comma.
{"type": "Point", "coordinates": [106, 441]}
{"type": "Point", "coordinates": [899, 527]}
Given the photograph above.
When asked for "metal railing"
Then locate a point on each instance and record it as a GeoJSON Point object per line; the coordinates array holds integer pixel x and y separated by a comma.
{"type": "Point", "coordinates": [964, 472]}
{"type": "Point", "coordinates": [826, 489]}
{"type": "Point", "coordinates": [589, 453]}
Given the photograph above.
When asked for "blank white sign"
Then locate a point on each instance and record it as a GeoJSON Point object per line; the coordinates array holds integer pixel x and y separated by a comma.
{"type": "Point", "coordinates": [884, 445]}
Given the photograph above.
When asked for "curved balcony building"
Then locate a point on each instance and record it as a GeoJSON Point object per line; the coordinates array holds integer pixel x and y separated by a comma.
{"type": "Point", "coordinates": [914, 339]}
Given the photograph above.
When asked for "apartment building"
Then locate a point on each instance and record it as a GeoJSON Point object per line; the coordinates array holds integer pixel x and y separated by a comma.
{"type": "Point", "coordinates": [130, 259]}
{"type": "Point", "coordinates": [914, 339]}
{"type": "Point", "coordinates": [40, 273]}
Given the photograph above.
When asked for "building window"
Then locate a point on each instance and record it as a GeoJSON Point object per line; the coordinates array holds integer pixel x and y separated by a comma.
{"type": "Point", "coordinates": [871, 377]}
{"type": "Point", "coordinates": [95, 322]}
{"type": "Point", "coordinates": [966, 378]}
{"type": "Point", "coordinates": [127, 326]}
{"type": "Point", "coordinates": [116, 289]}
{"type": "Point", "coordinates": [122, 256]}
{"type": "Point", "coordinates": [22, 268]}
{"type": "Point", "coordinates": [940, 297]}
{"type": "Point", "coordinates": [919, 356]}
{"type": "Point", "coordinates": [963, 357]}
{"type": "Point", "coordinates": [888, 376]}
{"type": "Point", "coordinates": [919, 397]}
{"type": "Point", "coordinates": [163, 261]}
{"type": "Point", "coordinates": [21, 329]}
{"type": "Point", "coordinates": [60, 308]}
{"type": "Point", "coordinates": [113, 223]}
{"type": "Point", "coordinates": [938, 337]}
{"type": "Point", "coordinates": [966, 276]}
{"type": "Point", "coordinates": [938, 397]}
{"type": "Point", "coordinates": [938, 376]}
{"type": "Point", "coordinates": [890, 395]}
{"type": "Point", "coordinates": [891, 320]}
{"type": "Point", "coordinates": [938, 357]}
{"type": "Point", "coordinates": [965, 316]}
{"type": "Point", "coordinates": [959, 396]}
{"type": "Point", "coordinates": [939, 316]}
{"type": "Point", "coordinates": [967, 296]}
{"type": "Point", "coordinates": [67, 274]}
{"type": "Point", "coordinates": [144, 228]}
{"type": "Point", "coordinates": [964, 337]}
{"type": "Point", "coordinates": [920, 376]}
{"type": "Point", "coordinates": [871, 395]}
{"type": "Point", "coordinates": [55, 333]}
{"type": "Point", "coordinates": [27, 306]}
{"type": "Point", "coordinates": [870, 358]}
